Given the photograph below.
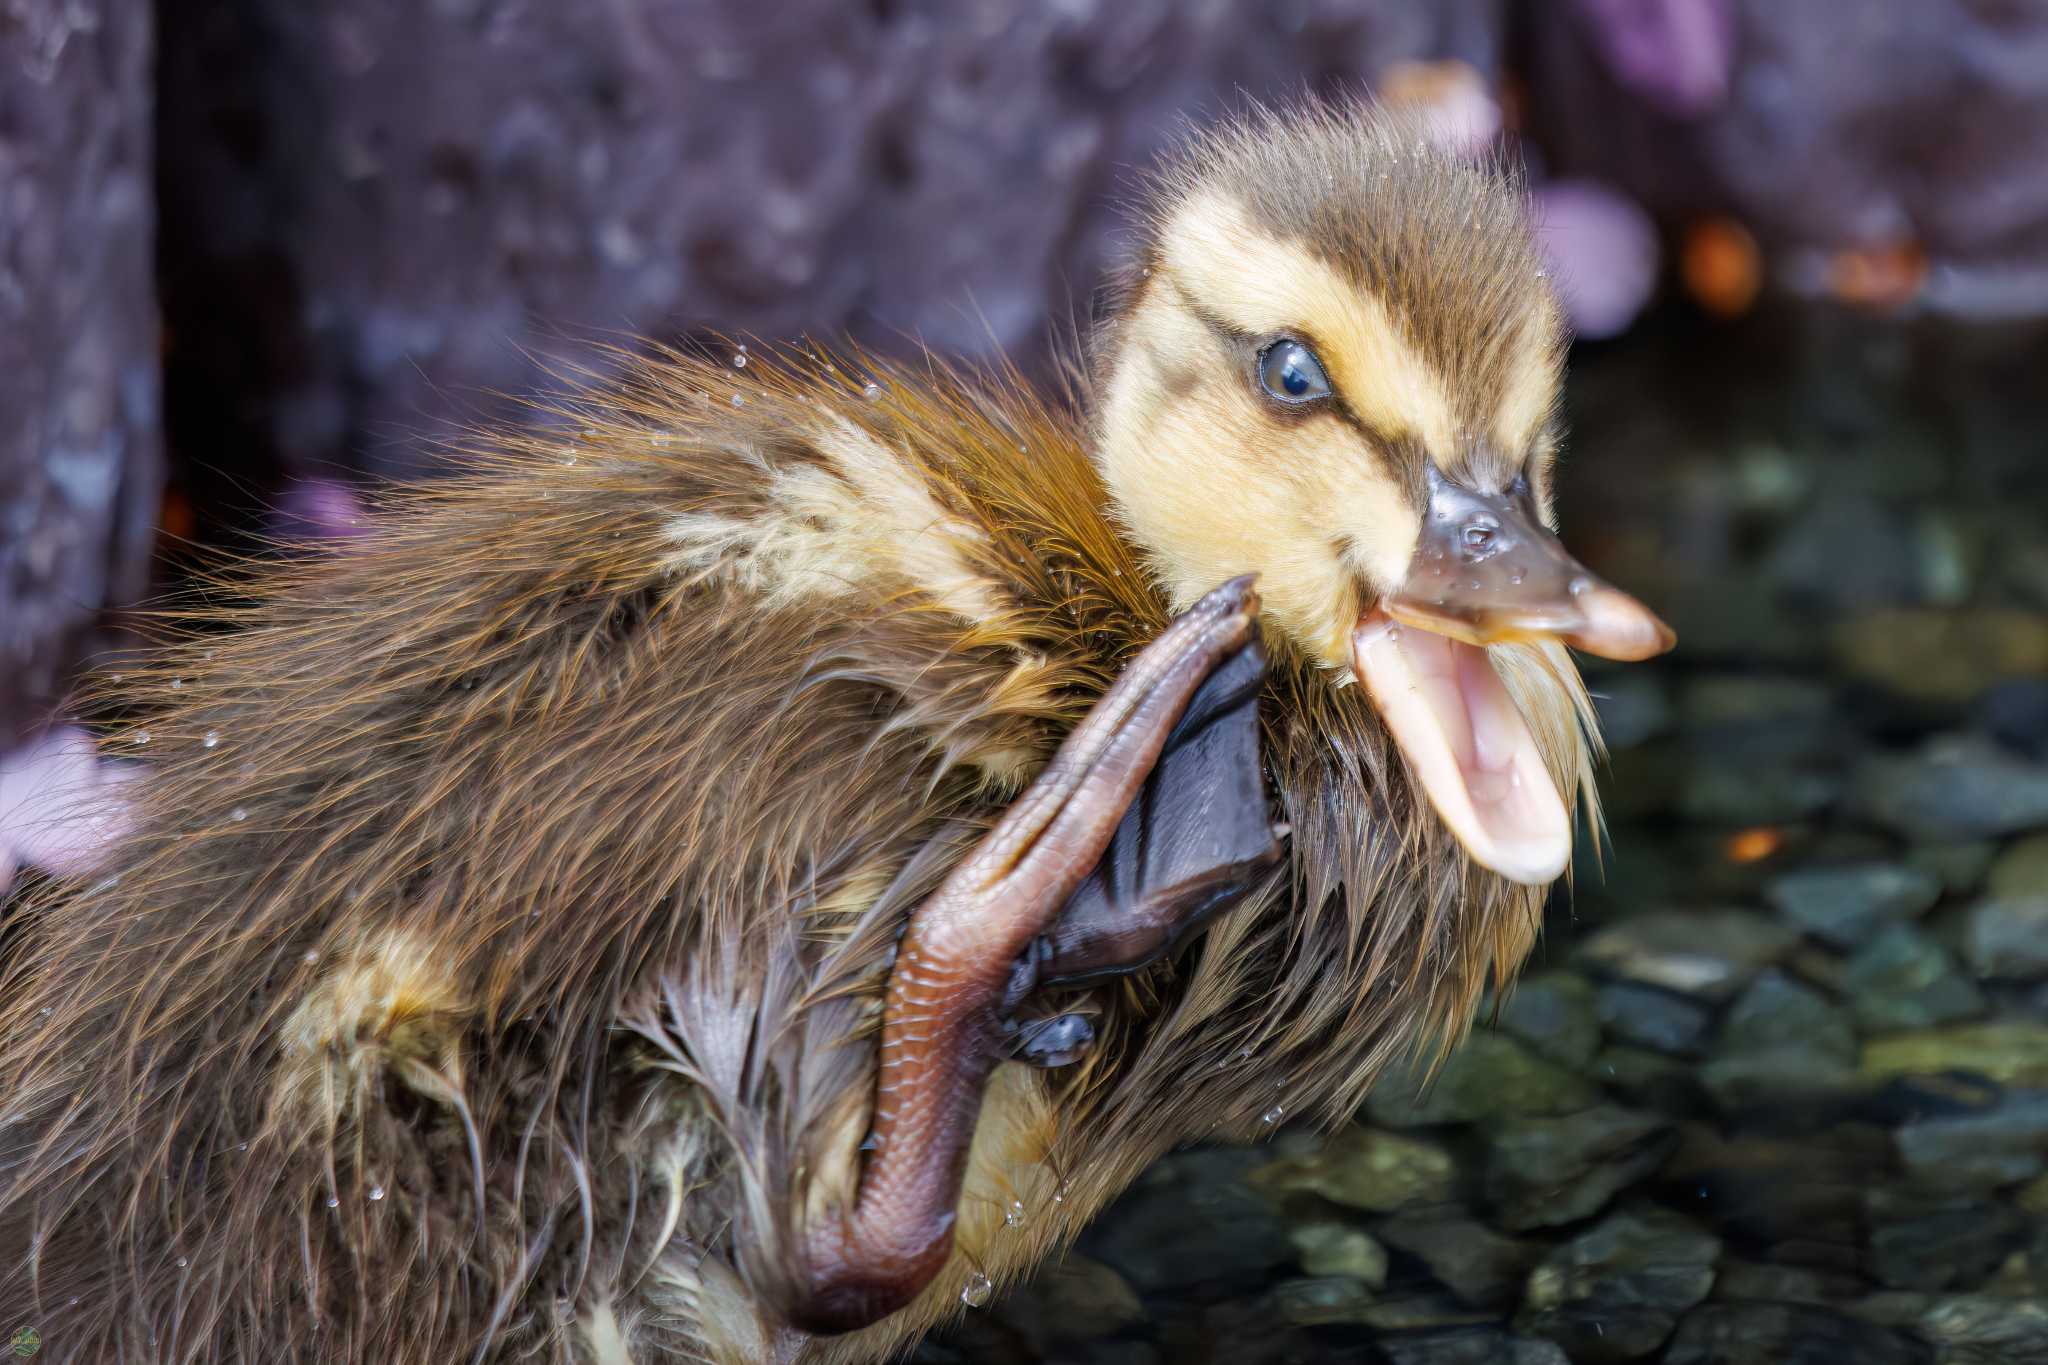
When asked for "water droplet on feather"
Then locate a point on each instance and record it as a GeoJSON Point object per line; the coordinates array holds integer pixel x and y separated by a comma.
{"type": "Point", "coordinates": [977, 1290]}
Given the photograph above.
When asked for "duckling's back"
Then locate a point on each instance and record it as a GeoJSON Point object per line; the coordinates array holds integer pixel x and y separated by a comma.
{"type": "Point", "coordinates": [513, 885]}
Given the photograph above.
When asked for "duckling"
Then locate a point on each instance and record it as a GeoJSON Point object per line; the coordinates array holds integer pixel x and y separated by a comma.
{"type": "Point", "coordinates": [691, 886]}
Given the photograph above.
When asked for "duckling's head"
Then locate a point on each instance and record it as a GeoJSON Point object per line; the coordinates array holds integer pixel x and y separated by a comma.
{"type": "Point", "coordinates": [1336, 364]}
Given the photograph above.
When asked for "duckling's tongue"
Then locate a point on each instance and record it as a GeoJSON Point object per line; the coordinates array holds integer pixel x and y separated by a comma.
{"type": "Point", "coordinates": [1468, 745]}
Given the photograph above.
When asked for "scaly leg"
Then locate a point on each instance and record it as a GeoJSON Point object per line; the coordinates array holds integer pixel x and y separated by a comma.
{"type": "Point", "coordinates": [941, 1031]}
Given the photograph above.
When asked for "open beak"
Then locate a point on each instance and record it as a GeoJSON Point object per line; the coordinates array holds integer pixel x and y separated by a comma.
{"type": "Point", "coordinates": [1487, 571]}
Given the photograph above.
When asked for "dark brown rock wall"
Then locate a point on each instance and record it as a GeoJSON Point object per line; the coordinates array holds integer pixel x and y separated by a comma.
{"type": "Point", "coordinates": [80, 466]}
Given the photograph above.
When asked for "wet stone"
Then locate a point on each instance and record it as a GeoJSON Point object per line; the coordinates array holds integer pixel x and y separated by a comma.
{"type": "Point", "coordinates": [1320, 1301]}
{"type": "Point", "coordinates": [1711, 954]}
{"type": "Point", "coordinates": [1980, 1330]}
{"type": "Point", "coordinates": [1942, 655]}
{"type": "Point", "coordinates": [1365, 1168]}
{"type": "Point", "coordinates": [1736, 1281]}
{"type": "Point", "coordinates": [1953, 788]}
{"type": "Point", "coordinates": [2009, 1051]}
{"type": "Point", "coordinates": [1960, 867]}
{"type": "Point", "coordinates": [1079, 1300]}
{"type": "Point", "coordinates": [1644, 1016]}
{"type": "Point", "coordinates": [1780, 1038]}
{"type": "Point", "coordinates": [1917, 1244]}
{"type": "Point", "coordinates": [1191, 1221]}
{"type": "Point", "coordinates": [2021, 869]}
{"type": "Point", "coordinates": [1739, 792]}
{"type": "Point", "coordinates": [1554, 1013]}
{"type": "Point", "coordinates": [1490, 1074]}
{"type": "Point", "coordinates": [2007, 938]}
{"type": "Point", "coordinates": [1902, 979]}
{"type": "Point", "coordinates": [1337, 1249]}
{"type": "Point", "coordinates": [1481, 1267]}
{"type": "Point", "coordinates": [1633, 706]}
{"type": "Point", "coordinates": [1785, 1334]}
{"type": "Point", "coordinates": [1544, 1172]}
{"type": "Point", "coordinates": [1474, 1346]}
{"type": "Point", "coordinates": [1782, 1193]}
{"type": "Point", "coordinates": [2000, 1146]}
{"type": "Point", "coordinates": [2015, 713]}
{"type": "Point", "coordinates": [1649, 1078]}
{"type": "Point", "coordinates": [1846, 905]}
{"type": "Point", "coordinates": [1734, 699]}
{"type": "Point", "coordinates": [1616, 1291]}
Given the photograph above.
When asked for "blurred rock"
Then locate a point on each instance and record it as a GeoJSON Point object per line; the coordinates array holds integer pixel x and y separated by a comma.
{"type": "Point", "coordinates": [1978, 1330]}
{"type": "Point", "coordinates": [1722, 789]}
{"type": "Point", "coordinates": [81, 471]}
{"type": "Point", "coordinates": [1846, 905]}
{"type": "Point", "coordinates": [1953, 1245]}
{"type": "Point", "coordinates": [1942, 655]}
{"type": "Point", "coordinates": [1959, 867]}
{"type": "Point", "coordinates": [1554, 1013]}
{"type": "Point", "coordinates": [2021, 870]}
{"type": "Point", "coordinates": [1316, 1302]}
{"type": "Point", "coordinates": [1902, 979]}
{"type": "Point", "coordinates": [1780, 1039]}
{"type": "Point", "coordinates": [1711, 954]}
{"type": "Point", "coordinates": [1168, 1233]}
{"type": "Point", "coordinates": [1337, 1249]}
{"type": "Point", "coordinates": [1785, 1334]}
{"type": "Point", "coordinates": [1736, 1281]}
{"type": "Point", "coordinates": [1490, 1074]}
{"type": "Point", "coordinates": [1616, 1291]}
{"type": "Point", "coordinates": [2016, 713]}
{"type": "Point", "coordinates": [1955, 788]}
{"type": "Point", "coordinates": [1364, 1168]}
{"type": "Point", "coordinates": [1543, 1172]}
{"type": "Point", "coordinates": [2008, 937]}
{"type": "Point", "coordinates": [2002, 1146]}
{"type": "Point", "coordinates": [2009, 1051]}
{"type": "Point", "coordinates": [1075, 1302]}
{"type": "Point", "coordinates": [1483, 1268]}
{"type": "Point", "coordinates": [1633, 706]}
{"type": "Point", "coordinates": [1644, 1016]}
{"type": "Point", "coordinates": [1476, 1346]}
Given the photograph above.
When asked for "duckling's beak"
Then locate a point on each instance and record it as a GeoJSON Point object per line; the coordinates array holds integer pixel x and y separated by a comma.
{"type": "Point", "coordinates": [1487, 571]}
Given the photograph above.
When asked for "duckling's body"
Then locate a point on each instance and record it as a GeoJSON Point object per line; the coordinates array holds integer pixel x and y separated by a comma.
{"type": "Point", "coordinates": [544, 853]}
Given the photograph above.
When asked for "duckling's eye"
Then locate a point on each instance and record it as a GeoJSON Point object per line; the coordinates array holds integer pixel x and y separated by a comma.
{"type": "Point", "coordinates": [1291, 373]}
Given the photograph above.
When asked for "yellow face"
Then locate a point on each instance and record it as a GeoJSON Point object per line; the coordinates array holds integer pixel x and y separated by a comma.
{"type": "Point", "coordinates": [1217, 474]}
{"type": "Point", "coordinates": [1269, 413]}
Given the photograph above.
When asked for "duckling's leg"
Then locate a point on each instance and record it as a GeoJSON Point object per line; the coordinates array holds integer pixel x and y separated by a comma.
{"type": "Point", "coordinates": [1196, 838]}
{"type": "Point", "coordinates": [941, 1032]}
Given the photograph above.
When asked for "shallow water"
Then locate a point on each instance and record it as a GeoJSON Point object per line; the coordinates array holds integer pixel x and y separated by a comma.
{"type": "Point", "coordinates": [1775, 1085]}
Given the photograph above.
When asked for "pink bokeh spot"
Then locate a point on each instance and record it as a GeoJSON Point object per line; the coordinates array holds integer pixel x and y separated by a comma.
{"type": "Point", "coordinates": [318, 509]}
{"type": "Point", "coordinates": [1602, 252]}
{"type": "Point", "coordinates": [1679, 55]}
{"type": "Point", "coordinates": [61, 806]}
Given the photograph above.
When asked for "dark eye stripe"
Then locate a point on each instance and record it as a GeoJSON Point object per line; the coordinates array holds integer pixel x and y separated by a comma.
{"type": "Point", "coordinates": [1290, 372]}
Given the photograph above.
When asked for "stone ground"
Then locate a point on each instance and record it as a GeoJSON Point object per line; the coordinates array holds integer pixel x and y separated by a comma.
{"type": "Point", "coordinates": [1775, 1088]}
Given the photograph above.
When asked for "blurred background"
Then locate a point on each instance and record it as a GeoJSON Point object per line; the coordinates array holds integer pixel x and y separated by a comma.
{"type": "Point", "coordinates": [1776, 1088]}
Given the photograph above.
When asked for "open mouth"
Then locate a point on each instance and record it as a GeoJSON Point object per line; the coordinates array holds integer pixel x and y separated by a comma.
{"type": "Point", "coordinates": [1485, 571]}
{"type": "Point", "coordinates": [1468, 745]}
